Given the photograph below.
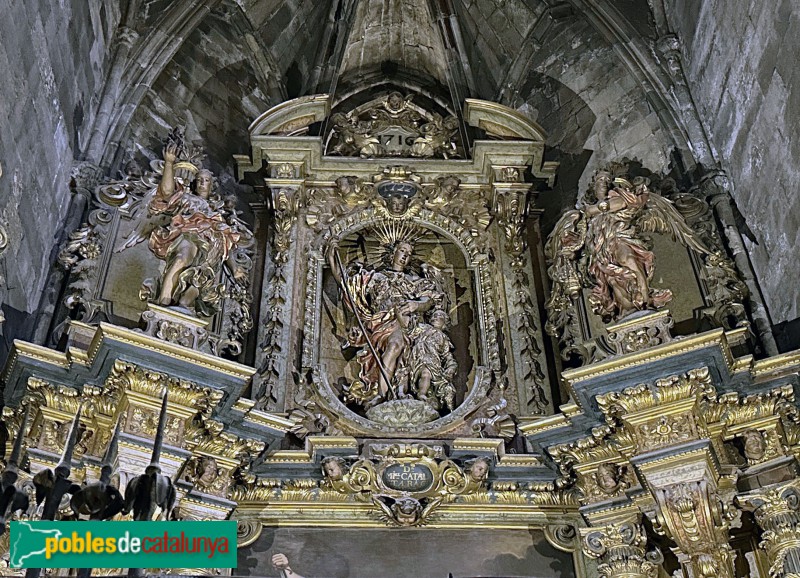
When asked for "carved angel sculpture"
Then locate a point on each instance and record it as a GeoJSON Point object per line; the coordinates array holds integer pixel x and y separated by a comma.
{"type": "Point", "coordinates": [355, 138]}
{"type": "Point", "coordinates": [603, 245]}
{"type": "Point", "coordinates": [193, 231]}
{"type": "Point", "coordinates": [437, 138]}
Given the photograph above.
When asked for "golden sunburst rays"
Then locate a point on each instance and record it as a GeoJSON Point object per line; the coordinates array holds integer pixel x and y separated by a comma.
{"type": "Point", "coordinates": [376, 243]}
{"type": "Point", "coordinates": [389, 233]}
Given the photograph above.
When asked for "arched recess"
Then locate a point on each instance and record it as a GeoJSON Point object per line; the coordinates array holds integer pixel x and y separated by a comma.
{"type": "Point", "coordinates": [215, 43]}
{"type": "Point", "coordinates": [573, 82]}
{"type": "Point", "coordinates": [631, 80]}
{"type": "Point", "coordinates": [484, 303]}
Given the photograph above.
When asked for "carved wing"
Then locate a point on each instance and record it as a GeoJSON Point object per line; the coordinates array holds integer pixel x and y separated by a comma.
{"type": "Point", "coordinates": [385, 515]}
{"type": "Point", "coordinates": [430, 507]}
{"type": "Point", "coordinates": [562, 251]}
{"type": "Point", "coordinates": [145, 222]}
{"type": "Point", "coordinates": [661, 216]}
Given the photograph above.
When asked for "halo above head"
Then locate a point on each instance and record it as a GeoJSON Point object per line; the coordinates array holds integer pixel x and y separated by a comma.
{"type": "Point", "coordinates": [186, 165]}
{"type": "Point", "coordinates": [392, 232]}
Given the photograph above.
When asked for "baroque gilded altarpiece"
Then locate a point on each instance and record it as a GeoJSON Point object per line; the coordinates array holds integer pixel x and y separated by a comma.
{"type": "Point", "coordinates": [382, 342]}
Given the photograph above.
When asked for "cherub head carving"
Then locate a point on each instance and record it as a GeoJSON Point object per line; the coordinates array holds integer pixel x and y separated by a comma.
{"type": "Point", "coordinates": [608, 478]}
{"type": "Point", "coordinates": [478, 470]}
{"type": "Point", "coordinates": [333, 468]}
{"type": "Point", "coordinates": [755, 447]}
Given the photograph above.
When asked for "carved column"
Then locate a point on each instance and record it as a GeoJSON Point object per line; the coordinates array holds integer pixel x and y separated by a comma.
{"type": "Point", "coordinates": [510, 206]}
{"type": "Point", "coordinates": [84, 179]}
{"type": "Point", "coordinates": [777, 512]}
{"type": "Point", "coordinates": [620, 549]}
{"type": "Point", "coordinates": [285, 187]}
{"type": "Point", "coordinates": [668, 48]}
{"type": "Point", "coordinates": [124, 39]}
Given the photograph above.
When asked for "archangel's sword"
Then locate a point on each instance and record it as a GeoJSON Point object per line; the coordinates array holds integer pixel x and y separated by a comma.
{"type": "Point", "coordinates": [372, 349]}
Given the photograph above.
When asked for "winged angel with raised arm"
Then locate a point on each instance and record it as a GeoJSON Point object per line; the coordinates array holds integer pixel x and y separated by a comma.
{"type": "Point", "coordinates": [604, 246]}
{"type": "Point", "coordinates": [192, 230]}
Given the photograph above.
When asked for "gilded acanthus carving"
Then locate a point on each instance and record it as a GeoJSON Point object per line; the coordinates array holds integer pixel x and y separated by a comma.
{"type": "Point", "coordinates": [620, 549]}
{"type": "Point", "coordinates": [694, 516]}
{"type": "Point", "coordinates": [596, 465]}
{"type": "Point", "coordinates": [651, 430]}
{"type": "Point", "coordinates": [80, 425]}
{"type": "Point", "coordinates": [640, 332]}
{"type": "Point", "coordinates": [467, 206]}
{"type": "Point", "coordinates": [511, 212]}
{"type": "Point", "coordinates": [393, 126]}
{"type": "Point", "coordinates": [691, 488]}
{"type": "Point", "coordinates": [405, 485]}
{"type": "Point", "coordinates": [129, 377]}
{"type": "Point", "coordinates": [286, 201]}
{"type": "Point", "coordinates": [777, 513]}
{"type": "Point", "coordinates": [81, 258]}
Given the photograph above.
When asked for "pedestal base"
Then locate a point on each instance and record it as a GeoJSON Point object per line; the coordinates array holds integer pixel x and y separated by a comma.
{"type": "Point", "coordinates": [176, 326]}
{"type": "Point", "coordinates": [402, 413]}
{"type": "Point", "coordinates": [640, 330]}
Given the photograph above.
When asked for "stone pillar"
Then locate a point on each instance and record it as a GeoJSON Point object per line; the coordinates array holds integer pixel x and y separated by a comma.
{"type": "Point", "coordinates": [717, 189]}
{"type": "Point", "coordinates": [668, 50]}
{"type": "Point", "coordinates": [279, 310]}
{"type": "Point", "coordinates": [777, 512]}
{"type": "Point", "coordinates": [85, 178]}
{"type": "Point", "coordinates": [620, 549]}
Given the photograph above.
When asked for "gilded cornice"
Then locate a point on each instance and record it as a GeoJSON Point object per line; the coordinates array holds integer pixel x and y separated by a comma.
{"type": "Point", "coordinates": [717, 337]}
{"type": "Point", "coordinates": [259, 418]}
{"type": "Point", "coordinates": [107, 335]}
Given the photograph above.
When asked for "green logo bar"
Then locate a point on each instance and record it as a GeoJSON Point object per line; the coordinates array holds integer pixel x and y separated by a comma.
{"type": "Point", "coordinates": [99, 544]}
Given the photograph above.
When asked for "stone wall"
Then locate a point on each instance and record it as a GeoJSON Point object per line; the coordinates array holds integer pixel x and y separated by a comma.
{"type": "Point", "coordinates": [52, 65]}
{"type": "Point", "coordinates": [593, 109]}
{"type": "Point", "coordinates": [291, 31]}
{"type": "Point", "coordinates": [211, 89]}
{"type": "Point", "coordinates": [402, 33]}
{"type": "Point", "coordinates": [740, 60]}
{"type": "Point", "coordinates": [494, 33]}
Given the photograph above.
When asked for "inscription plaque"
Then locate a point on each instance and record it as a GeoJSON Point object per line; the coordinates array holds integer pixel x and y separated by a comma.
{"type": "Point", "coordinates": [407, 477]}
